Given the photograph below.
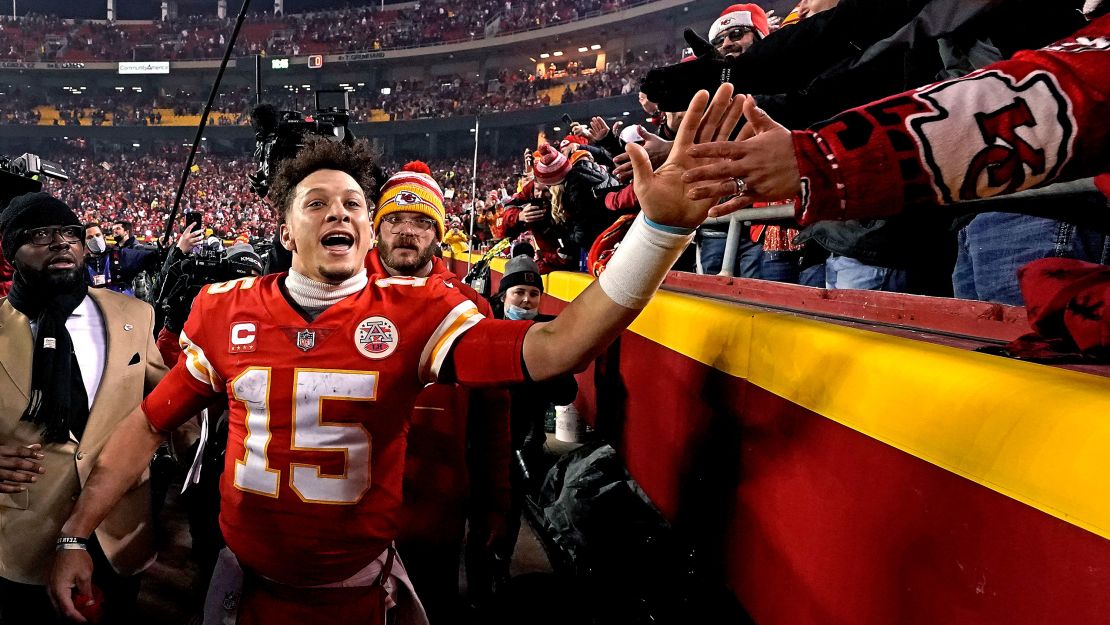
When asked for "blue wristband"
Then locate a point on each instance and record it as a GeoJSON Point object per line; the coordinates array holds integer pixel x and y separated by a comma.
{"type": "Point", "coordinates": [666, 228]}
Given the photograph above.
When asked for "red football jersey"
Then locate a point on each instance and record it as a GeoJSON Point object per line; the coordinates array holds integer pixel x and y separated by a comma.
{"type": "Point", "coordinates": [319, 410]}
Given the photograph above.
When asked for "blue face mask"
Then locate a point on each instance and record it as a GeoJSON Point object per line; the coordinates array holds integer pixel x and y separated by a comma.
{"type": "Point", "coordinates": [517, 313]}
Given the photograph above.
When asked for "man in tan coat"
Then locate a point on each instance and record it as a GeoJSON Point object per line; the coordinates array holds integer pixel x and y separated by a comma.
{"type": "Point", "coordinates": [73, 362]}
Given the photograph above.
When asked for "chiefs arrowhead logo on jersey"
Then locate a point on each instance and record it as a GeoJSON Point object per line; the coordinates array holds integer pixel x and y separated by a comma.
{"type": "Point", "coordinates": [376, 337]}
{"type": "Point", "coordinates": [986, 126]}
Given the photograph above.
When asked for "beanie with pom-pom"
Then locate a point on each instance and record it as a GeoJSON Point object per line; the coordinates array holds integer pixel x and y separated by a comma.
{"type": "Point", "coordinates": [412, 190]}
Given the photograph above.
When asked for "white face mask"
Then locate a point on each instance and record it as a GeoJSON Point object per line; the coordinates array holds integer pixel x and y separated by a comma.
{"type": "Point", "coordinates": [97, 245]}
{"type": "Point", "coordinates": [517, 313]}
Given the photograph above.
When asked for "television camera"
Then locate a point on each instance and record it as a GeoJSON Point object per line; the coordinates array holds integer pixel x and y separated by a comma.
{"type": "Point", "coordinates": [279, 134]}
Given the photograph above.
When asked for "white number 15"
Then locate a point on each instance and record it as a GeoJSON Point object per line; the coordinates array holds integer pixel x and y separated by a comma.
{"type": "Point", "coordinates": [311, 388]}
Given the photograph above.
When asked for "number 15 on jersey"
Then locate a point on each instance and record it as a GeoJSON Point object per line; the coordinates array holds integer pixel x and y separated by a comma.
{"type": "Point", "coordinates": [311, 388]}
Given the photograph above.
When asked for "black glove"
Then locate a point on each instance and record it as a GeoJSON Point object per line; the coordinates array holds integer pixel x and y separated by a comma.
{"type": "Point", "coordinates": [673, 87]}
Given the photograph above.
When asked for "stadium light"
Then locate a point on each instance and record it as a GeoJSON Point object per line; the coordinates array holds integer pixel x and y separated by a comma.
{"type": "Point", "coordinates": [557, 129]}
{"type": "Point", "coordinates": [545, 55]}
{"type": "Point", "coordinates": [134, 145]}
{"type": "Point", "coordinates": [344, 84]}
{"type": "Point", "coordinates": [596, 46]}
{"type": "Point", "coordinates": [532, 58]}
{"type": "Point", "coordinates": [583, 49]}
{"type": "Point", "coordinates": [386, 91]}
{"type": "Point", "coordinates": [625, 113]}
{"type": "Point", "coordinates": [362, 84]}
{"type": "Point", "coordinates": [557, 53]}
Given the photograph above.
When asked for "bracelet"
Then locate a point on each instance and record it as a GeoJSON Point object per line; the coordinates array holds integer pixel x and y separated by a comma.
{"type": "Point", "coordinates": [71, 542]}
{"type": "Point", "coordinates": [666, 228]}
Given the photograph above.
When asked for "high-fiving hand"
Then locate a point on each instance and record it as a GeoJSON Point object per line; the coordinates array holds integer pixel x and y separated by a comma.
{"type": "Point", "coordinates": [664, 194]}
{"type": "Point", "coordinates": [759, 166]}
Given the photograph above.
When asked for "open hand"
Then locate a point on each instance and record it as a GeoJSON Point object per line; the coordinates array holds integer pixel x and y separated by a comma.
{"type": "Point", "coordinates": [598, 129]}
{"type": "Point", "coordinates": [664, 194]}
{"type": "Point", "coordinates": [658, 150]}
{"type": "Point", "coordinates": [759, 166]}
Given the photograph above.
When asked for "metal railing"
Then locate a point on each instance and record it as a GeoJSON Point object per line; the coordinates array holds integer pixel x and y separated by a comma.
{"type": "Point", "coordinates": [1028, 202]}
{"type": "Point", "coordinates": [736, 222]}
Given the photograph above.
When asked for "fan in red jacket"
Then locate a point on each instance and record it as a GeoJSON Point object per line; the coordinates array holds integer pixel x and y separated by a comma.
{"type": "Point", "coordinates": [529, 209]}
{"type": "Point", "coordinates": [1027, 122]}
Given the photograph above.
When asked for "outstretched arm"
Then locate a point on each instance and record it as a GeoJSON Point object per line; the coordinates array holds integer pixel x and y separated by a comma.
{"type": "Point", "coordinates": [1033, 120]}
{"type": "Point", "coordinates": [664, 228]}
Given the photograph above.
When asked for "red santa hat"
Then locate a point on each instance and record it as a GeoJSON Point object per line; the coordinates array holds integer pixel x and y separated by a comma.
{"type": "Point", "coordinates": [750, 15]}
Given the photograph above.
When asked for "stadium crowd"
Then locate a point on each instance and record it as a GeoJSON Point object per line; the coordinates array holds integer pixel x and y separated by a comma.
{"type": "Point", "coordinates": [140, 189]}
{"type": "Point", "coordinates": [43, 38]}
{"type": "Point", "coordinates": [439, 97]}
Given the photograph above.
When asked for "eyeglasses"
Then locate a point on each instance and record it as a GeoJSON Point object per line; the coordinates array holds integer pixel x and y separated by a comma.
{"type": "Point", "coordinates": [45, 236]}
{"type": "Point", "coordinates": [420, 224]}
{"type": "Point", "coordinates": [736, 33]}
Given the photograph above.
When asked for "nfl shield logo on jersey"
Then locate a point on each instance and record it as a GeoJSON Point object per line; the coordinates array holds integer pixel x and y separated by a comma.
{"type": "Point", "coordinates": [376, 337]}
{"type": "Point", "coordinates": [306, 340]}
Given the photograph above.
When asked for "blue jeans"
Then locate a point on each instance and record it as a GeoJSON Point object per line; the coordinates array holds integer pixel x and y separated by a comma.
{"type": "Point", "coordinates": [842, 272]}
{"type": "Point", "coordinates": [785, 266]}
{"type": "Point", "coordinates": [711, 253]}
{"type": "Point", "coordinates": [993, 246]}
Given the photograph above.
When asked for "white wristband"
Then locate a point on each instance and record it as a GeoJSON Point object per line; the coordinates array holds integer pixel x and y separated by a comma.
{"type": "Point", "coordinates": [639, 265]}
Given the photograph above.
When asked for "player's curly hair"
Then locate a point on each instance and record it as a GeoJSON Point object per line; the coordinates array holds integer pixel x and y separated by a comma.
{"type": "Point", "coordinates": [358, 159]}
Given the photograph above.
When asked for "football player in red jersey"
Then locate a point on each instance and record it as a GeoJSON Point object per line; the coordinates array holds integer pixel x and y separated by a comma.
{"type": "Point", "coordinates": [321, 367]}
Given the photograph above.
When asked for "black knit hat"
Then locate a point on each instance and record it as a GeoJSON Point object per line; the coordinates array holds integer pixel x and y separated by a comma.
{"type": "Point", "coordinates": [29, 211]}
{"type": "Point", "coordinates": [521, 270]}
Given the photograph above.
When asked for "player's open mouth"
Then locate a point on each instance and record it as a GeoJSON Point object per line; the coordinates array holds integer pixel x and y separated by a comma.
{"type": "Point", "coordinates": [337, 242]}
